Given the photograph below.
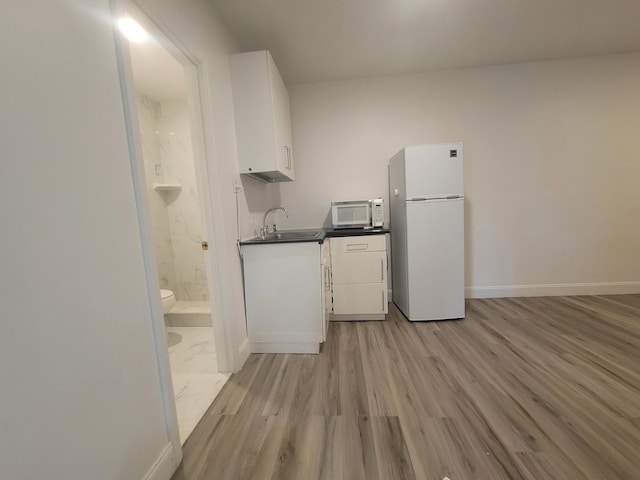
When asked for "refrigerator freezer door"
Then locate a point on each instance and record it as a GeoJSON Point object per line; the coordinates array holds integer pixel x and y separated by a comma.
{"type": "Point", "coordinates": [435, 247]}
{"type": "Point", "coordinates": [433, 171]}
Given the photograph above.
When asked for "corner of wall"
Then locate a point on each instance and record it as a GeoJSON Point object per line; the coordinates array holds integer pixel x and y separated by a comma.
{"type": "Point", "coordinates": [166, 464]}
{"type": "Point", "coordinates": [243, 354]}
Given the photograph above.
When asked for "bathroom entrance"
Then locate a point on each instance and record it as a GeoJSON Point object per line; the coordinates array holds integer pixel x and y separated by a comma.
{"type": "Point", "coordinates": [166, 102]}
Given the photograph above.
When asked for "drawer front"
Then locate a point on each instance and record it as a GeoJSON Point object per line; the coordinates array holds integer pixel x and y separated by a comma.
{"type": "Point", "coordinates": [363, 243]}
{"type": "Point", "coordinates": [360, 299]}
{"type": "Point", "coordinates": [365, 267]}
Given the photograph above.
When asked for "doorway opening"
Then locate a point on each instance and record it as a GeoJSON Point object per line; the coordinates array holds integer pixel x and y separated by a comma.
{"type": "Point", "coordinates": [166, 101]}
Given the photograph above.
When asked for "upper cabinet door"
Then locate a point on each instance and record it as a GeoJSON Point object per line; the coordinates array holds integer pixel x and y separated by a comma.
{"type": "Point", "coordinates": [262, 117]}
{"type": "Point", "coordinates": [281, 121]}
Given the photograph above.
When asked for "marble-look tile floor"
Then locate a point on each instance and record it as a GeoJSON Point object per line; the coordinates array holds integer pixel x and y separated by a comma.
{"type": "Point", "coordinates": [194, 370]}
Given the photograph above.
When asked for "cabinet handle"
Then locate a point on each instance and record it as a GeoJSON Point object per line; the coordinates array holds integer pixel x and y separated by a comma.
{"type": "Point", "coordinates": [357, 246]}
{"type": "Point", "coordinates": [287, 157]}
{"type": "Point", "coordinates": [382, 298]}
{"type": "Point", "coordinates": [381, 269]}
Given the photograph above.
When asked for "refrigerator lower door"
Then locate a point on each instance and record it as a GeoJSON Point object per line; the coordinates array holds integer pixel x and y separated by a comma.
{"type": "Point", "coordinates": [435, 256]}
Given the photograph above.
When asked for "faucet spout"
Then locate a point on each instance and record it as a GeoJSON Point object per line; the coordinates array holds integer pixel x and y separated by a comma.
{"type": "Point", "coordinates": [265, 228]}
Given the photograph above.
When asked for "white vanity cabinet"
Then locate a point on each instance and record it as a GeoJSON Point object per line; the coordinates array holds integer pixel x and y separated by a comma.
{"type": "Point", "coordinates": [284, 290]}
{"type": "Point", "coordinates": [359, 277]}
{"type": "Point", "coordinates": [262, 117]}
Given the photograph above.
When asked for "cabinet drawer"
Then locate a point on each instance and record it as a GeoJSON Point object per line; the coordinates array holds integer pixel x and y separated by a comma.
{"type": "Point", "coordinates": [363, 243]}
{"type": "Point", "coordinates": [360, 299]}
{"type": "Point", "coordinates": [365, 267]}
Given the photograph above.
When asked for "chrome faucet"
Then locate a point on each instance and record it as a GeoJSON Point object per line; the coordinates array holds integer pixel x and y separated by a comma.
{"type": "Point", "coordinates": [264, 231]}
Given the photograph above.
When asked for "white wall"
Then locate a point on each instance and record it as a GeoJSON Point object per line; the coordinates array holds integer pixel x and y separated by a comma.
{"type": "Point", "coordinates": [81, 390]}
{"type": "Point", "coordinates": [176, 218]}
{"type": "Point", "coordinates": [81, 394]}
{"type": "Point", "coordinates": [149, 111]}
{"type": "Point", "coordinates": [185, 221]}
{"type": "Point", "coordinates": [551, 164]}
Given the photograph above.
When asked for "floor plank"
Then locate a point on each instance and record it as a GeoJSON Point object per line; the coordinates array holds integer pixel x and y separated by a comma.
{"type": "Point", "coordinates": [391, 449]}
{"type": "Point", "coordinates": [542, 388]}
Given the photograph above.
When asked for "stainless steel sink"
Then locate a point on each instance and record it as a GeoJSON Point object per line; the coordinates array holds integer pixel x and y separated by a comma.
{"type": "Point", "coordinates": [291, 236]}
{"type": "Point", "coordinates": [295, 235]}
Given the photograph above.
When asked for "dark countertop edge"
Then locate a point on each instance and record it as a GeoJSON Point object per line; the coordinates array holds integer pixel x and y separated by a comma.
{"type": "Point", "coordinates": [354, 232]}
{"type": "Point", "coordinates": [327, 233]}
{"type": "Point", "coordinates": [275, 241]}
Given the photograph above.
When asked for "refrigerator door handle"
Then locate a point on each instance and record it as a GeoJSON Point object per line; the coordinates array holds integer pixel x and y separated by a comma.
{"type": "Point", "coordinates": [426, 199]}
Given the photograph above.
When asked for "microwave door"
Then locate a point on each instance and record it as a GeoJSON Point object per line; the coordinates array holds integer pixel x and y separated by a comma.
{"type": "Point", "coordinates": [350, 214]}
{"type": "Point", "coordinates": [347, 214]}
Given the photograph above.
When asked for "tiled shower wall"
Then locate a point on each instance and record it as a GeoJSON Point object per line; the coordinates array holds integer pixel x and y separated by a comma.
{"type": "Point", "coordinates": [177, 228]}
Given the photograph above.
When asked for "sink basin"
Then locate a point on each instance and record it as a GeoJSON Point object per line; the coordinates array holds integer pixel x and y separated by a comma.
{"type": "Point", "coordinates": [293, 235]}
{"type": "Point", "coordinates": [290, 236]}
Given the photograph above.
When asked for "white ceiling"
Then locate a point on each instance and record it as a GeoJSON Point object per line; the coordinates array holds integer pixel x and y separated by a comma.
{"type": "Point", "coordinates": [321, 40]}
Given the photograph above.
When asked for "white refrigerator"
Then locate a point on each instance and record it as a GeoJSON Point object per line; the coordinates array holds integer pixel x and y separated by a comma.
{"type": "Point", "coordinates": [427, 231]}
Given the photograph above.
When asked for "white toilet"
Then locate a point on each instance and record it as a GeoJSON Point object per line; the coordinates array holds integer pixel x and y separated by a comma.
{"type": "Point", "coordinates": [168, 300]}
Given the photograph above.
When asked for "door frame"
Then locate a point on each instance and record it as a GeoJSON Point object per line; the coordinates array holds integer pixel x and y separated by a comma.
{"type": "Point", "coordinates": [228, 358]}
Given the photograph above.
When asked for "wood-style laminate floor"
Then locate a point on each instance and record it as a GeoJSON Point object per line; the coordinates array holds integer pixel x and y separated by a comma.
{"type": "Point", "coordinates": [523, 388]}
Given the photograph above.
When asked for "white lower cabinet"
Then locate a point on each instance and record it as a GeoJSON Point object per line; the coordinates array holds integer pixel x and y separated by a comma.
{"type": "Point", "coordinates": [285, 297]}
{"type": "Point", "coordinates": [327, 299]}
{"type": "Point", "coordinates": [293, 289]}
{"type": "Point", "coordinates": [357, 299]}
{"type": "Point", "coordinates": [359, 277]}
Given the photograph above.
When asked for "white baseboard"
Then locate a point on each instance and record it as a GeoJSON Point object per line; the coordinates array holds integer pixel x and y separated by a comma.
{"type": "Point", "coordinates": [356, 318]}
{"type": "Point", "coordinates": [553, 290]}
{"type": "Point", "coordinates": [285, 347]}
{"type": "Point", "coordinates": [243, 353]}
{"type": "Point", "coordinates": [165, 466]}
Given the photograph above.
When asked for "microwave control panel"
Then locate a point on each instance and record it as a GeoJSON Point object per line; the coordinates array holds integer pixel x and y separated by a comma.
{"type": "Point", "coordinates": [377, 213]}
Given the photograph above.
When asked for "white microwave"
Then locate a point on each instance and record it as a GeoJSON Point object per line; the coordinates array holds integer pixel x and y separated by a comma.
{"type": "Point", "coordinates": [358, 213]}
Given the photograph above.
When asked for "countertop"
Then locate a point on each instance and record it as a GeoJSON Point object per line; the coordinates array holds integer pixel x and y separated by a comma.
{"type": "Point", "coordinates": [354, 232]}
{"type": "Point", "coordinates": [323, 233]}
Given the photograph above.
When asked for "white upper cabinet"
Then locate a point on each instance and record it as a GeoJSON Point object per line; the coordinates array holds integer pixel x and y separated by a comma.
{"type": "Point", "coordinates": [262, 116]}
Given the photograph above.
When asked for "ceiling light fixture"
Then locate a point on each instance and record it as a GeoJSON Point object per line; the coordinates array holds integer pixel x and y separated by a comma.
{"type": "Point", "coordinates": [132, 30]}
